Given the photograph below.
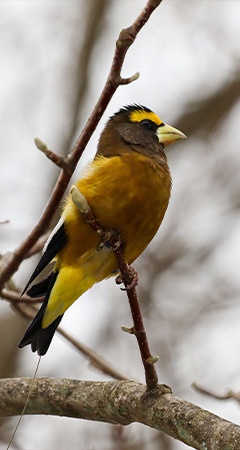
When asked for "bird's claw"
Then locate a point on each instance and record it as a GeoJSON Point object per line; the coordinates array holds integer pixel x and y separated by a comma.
{"type": "Point", "coordinates": [108, 241]}
{"type": "Point", "coordinates": [131, 279]}
{"type": "Point", "coordinates": [119, 279]}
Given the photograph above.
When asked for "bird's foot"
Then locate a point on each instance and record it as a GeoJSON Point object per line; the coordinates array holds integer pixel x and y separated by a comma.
{"type": "Point", "coordinates": [109, 238]}
{"type": "Point", "coordinates": [130, 279]}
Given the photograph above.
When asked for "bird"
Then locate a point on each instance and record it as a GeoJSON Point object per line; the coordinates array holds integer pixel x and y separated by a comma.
{"type": "Point", "coordinates": [128, 186]}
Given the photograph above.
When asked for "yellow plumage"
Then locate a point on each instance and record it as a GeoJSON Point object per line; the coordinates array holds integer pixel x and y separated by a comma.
{"type": "Point", "coordinates": [117, 189]}
{"type": "Point", "coordinates": [128, 187]}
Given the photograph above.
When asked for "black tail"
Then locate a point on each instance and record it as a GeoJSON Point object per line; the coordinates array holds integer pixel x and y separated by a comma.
{"type": "Point", "coordinates": [40, 338]}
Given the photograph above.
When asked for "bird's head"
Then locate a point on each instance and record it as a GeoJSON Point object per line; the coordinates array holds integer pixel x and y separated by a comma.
{"type": "Point", "coordinates": [136, 128]}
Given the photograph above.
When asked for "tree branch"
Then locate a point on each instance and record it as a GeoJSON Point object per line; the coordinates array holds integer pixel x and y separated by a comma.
{"type": "Point", "coordinates": [14, 297]}
{"type": "Point", "coordinates": [229, 394]}
{"type": "Point", "coordinates": [122, 402]}
{"type": "Point", "coordinates": [56, 159]}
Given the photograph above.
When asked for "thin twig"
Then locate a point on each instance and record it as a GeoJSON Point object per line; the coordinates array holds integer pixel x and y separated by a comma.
{"type": "Point", "coordinates": [38, 247]}
{"type": "Point", "coordinates": [14, 297]}
{"type": "Point", "coordinates": [56, 159]}
{"type": "Point", "coordinates": [229, 395]}
{"type": "Point", "coordinates": [127, 276]}
{"type": "Point", "coordinates": [139, 330]}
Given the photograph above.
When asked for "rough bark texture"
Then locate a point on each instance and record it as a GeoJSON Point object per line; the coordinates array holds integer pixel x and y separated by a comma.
{"type": "Point", "coordinates": [121, 402]}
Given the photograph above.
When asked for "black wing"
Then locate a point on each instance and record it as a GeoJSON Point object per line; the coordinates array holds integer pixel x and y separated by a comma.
{"type": "Point", "coordinates": [40, 338]}
{"type": "Point", "coordinates": [56, 244]}
{"type": "Point", "coordinates": [40, 289]}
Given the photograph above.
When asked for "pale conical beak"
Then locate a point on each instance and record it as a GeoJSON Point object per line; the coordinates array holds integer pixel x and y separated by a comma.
{"type": "Point", "coordinates": [168, 135]}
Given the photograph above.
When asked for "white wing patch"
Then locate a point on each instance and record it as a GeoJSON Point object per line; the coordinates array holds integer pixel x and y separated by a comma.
{"type": "Point", "coordinates": [54, 231]}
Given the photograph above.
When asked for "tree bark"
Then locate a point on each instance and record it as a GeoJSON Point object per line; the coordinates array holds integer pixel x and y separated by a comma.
{"type": "Point", "coordinates": [121, 402]}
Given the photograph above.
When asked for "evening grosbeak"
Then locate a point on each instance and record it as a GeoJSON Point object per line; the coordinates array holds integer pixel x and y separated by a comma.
{"type": "Point", "coordinates": [127, 186]}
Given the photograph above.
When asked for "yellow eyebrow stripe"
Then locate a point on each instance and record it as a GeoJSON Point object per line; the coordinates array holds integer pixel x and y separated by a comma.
{"type": "Point", "coordinates": [140, 114]}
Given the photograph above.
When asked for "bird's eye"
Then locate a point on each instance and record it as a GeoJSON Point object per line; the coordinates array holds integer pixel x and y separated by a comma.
{"type": "Point", "coordinates": [146, 123]}
{"type": "Point", "coordinates": [149, 124]}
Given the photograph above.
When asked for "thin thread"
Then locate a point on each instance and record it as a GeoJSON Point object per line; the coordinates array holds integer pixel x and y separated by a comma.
{"type": "Point", "coordinates": [26, 402]}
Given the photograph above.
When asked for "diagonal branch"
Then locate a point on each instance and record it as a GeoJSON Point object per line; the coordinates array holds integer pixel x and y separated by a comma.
{"type": "Point", "coordinates": [11, 262]}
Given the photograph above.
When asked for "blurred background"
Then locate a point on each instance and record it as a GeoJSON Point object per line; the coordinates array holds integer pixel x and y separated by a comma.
{"type": "Point", "coordinates": [55, 57]}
